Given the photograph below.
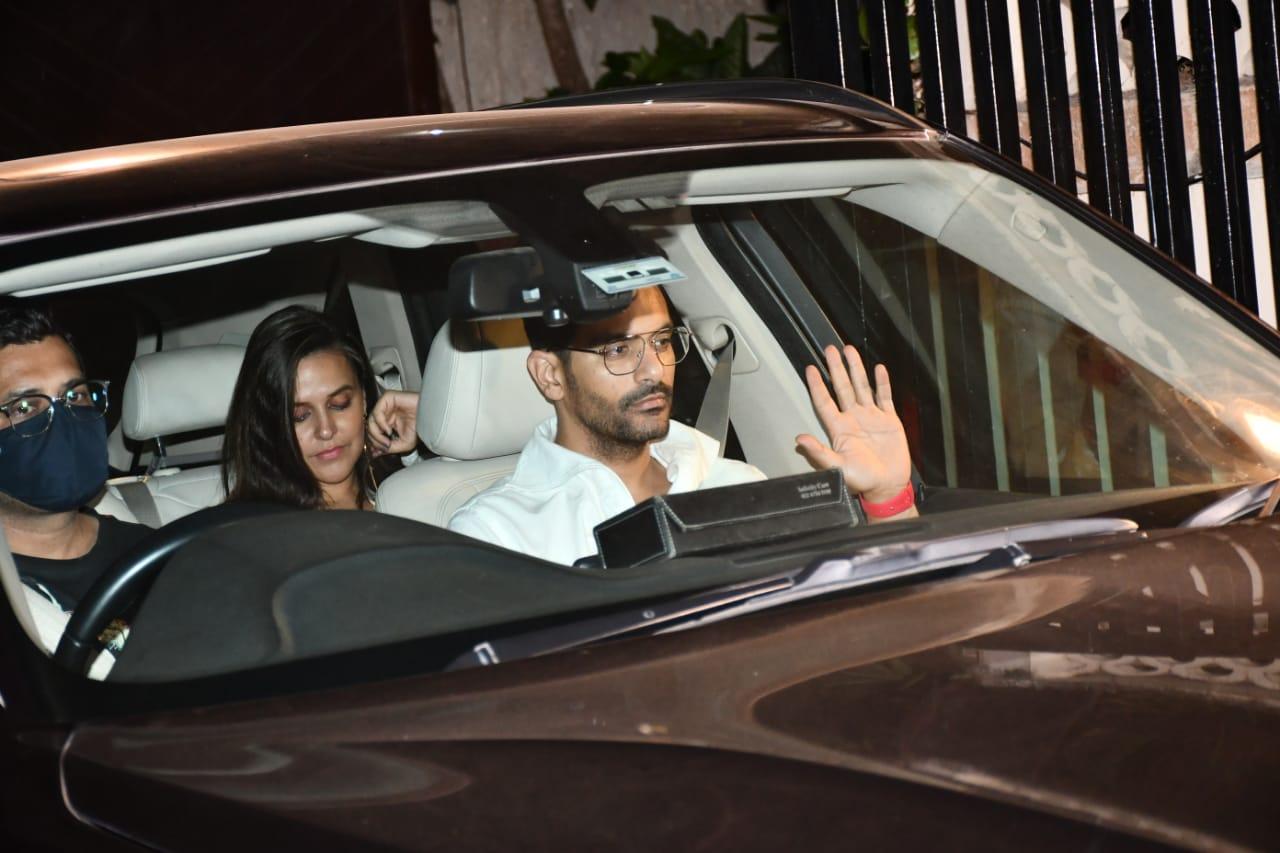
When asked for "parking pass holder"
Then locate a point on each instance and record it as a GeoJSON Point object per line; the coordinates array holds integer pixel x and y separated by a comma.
{"type": "Point", "coordinates": [708, 520]}
{"type": "Point", "coordinates": [633, 275]}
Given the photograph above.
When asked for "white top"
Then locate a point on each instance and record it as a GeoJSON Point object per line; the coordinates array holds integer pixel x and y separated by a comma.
{"type": "Point", "coordinates": [548, 506]}
{"type": "Point", "coordinates": [50, 621]}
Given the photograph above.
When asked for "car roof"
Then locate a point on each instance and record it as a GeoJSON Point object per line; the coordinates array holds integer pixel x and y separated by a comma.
{"type": "Point", "coordinates": [44, 195]}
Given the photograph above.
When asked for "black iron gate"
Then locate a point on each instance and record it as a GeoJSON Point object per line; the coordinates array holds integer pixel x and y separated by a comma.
{"type": "Point", "coordinates": [864, 45]}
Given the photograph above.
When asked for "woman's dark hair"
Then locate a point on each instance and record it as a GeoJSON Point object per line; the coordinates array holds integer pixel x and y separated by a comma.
{"type": "Point", "coordinates": [261, 460]}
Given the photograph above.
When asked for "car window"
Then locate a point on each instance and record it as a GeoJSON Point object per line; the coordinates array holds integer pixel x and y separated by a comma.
{"type": "Point", "coordinates": [1028, 353]}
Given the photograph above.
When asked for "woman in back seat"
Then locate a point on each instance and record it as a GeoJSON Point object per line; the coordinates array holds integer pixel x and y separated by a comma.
{"type": "Point", "coordinates": [296, 427]}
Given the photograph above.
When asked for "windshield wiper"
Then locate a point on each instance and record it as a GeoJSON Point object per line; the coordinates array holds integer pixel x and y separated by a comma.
{"type": "Point", "coordinates": [985, 550]}
{"type": "Point", "coordinates": [1243, 501]}
{"type": "Point", "coordinates": [589, 630]}
{"type": "Point", "coordinates": [989, 549]}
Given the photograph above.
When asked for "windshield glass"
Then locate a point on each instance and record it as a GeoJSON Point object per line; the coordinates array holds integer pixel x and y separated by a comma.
{"type": "Point", "coordinates": [1030, 353]}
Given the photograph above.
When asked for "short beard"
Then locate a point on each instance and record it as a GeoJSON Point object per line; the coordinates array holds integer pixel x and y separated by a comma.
{"type": "Point", "coordinates": [612, 434]}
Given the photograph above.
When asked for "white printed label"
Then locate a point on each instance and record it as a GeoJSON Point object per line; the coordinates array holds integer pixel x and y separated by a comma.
{"type": "Point", "coordinates": [632, 275]}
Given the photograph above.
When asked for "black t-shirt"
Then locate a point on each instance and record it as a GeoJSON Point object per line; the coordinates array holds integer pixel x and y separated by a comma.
{"type": "Point", "coordinates": [66, 581]}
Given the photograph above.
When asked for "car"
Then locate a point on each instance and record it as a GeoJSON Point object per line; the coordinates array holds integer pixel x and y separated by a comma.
{"type": "Point", "coordinates": [1074, 646]}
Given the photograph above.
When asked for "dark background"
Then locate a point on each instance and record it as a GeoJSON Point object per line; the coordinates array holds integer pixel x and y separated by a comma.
{"type": "Point", "coordinates": [78, 74]}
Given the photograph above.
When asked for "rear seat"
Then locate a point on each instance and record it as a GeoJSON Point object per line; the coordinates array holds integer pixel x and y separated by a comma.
{"type": "Point", "coordinates": [477, 409]}
{"type": "Point", "coordinates": [168, 393]}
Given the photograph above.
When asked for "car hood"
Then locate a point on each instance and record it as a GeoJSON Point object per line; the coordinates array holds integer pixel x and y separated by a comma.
{"type": "Point", "coordinates": [1128, 691]}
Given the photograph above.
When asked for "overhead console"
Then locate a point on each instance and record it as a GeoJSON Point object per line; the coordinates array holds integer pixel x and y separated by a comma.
{"type": "Point", "coordinates": [582, 264]}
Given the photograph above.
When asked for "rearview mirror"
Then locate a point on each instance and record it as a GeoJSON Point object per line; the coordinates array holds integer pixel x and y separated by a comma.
{"type": "Point", "coordinates": [512, 283]}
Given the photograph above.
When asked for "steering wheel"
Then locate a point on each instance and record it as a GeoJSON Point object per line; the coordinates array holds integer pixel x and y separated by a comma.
{"type": "Point", "coordinates": [120, 584]}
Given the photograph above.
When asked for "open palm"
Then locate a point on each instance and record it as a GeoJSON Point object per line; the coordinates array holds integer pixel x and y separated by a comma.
{"type": "Point", "coordinates": [867, 442]}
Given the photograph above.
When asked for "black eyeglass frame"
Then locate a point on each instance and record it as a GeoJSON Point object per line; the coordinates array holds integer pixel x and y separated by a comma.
{"type": "Point", "coordinates": [91, 412]}
{"type": "Point", "coordinates": [646, 340]}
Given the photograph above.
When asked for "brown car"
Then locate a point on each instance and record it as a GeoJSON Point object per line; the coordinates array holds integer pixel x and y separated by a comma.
{"type": "Point", "coordinates": [1074, 646]}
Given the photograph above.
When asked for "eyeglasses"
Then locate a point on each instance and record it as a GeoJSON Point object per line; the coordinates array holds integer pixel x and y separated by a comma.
{"type": "Point", "coordinates": [31, 414]}
{"type": "Point", "coordinates": [624, 355]}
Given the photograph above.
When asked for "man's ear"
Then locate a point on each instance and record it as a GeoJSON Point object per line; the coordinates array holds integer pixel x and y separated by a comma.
{"type": "Point", "coordinates": [547, 372]}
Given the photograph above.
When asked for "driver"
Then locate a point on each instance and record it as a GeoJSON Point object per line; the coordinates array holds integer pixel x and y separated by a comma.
{"type": "Point", "coordinates": [53, 460]}
{"type": "Point", "coordinates": [612, 443]}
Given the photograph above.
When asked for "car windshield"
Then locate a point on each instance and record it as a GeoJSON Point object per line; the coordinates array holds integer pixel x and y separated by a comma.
{"type": "Point", "coordinates": [1035, 355]}
{"type": "Point", "coordinates": [1042, 368]}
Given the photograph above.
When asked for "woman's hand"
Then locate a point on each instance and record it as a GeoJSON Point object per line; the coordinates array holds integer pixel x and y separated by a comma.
{"type": "Point", "coordinates": [868, 443]}
{"type": "Point", "coordinates": [392, 426]}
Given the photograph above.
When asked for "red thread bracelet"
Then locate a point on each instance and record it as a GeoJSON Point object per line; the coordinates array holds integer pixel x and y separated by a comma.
{"type": "Point", "coordinates": [901, 502]}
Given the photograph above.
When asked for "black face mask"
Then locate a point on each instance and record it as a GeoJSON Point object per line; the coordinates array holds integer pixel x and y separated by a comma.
{"type": "Point", "coordinates": [59, 470]}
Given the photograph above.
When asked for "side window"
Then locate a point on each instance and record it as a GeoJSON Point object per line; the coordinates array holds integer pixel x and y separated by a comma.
{"type": "Point", "coordinates": [997, 390]}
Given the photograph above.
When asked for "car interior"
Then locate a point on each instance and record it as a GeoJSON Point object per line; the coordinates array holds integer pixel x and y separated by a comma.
{"type": "Point", "coordinates": [1031, 356]}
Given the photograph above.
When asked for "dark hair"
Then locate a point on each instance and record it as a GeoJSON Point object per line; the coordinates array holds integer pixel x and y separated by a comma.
{"type": "Point", "coordinates": [22, 322]}
{"type": "Point", "coordinates": [261, 460]}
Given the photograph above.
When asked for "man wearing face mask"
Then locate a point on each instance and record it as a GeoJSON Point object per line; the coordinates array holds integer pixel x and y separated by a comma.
{"type": "Point", "coordinates": [53, 460]}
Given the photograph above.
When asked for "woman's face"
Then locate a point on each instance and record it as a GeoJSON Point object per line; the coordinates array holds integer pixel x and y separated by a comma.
{"type": "Point", "coordinates": [328, 419]}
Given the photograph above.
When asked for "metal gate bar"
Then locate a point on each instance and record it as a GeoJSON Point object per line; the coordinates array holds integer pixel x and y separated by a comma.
{"type": "Point", "coordinates": [1160, 114]}
{"type": "Point", "coordinates": [825, 44]}
{"type": "Point", "coordinates": [1226, 194]}
{"type": "Point", "coordinates": [1106, 155]}
{"type": "Point", "coordinates": [940, 64]}
{"type": "Point", "coordinates": [890, 53]}
{"type": "Point", "coordinates": [1265, 28]}
{"type": "Point", "coordinates": [1048, 104]}
{"type": "Point", "coordinates": [993, 89]}
{"type": "Point", "coordinates": [1103, 442]}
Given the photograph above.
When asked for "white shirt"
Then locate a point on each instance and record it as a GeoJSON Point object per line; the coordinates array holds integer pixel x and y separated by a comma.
{"type": "Point", "coordinates": [550, 504]}
{"type": "Point", "coordinates": [51, 620]}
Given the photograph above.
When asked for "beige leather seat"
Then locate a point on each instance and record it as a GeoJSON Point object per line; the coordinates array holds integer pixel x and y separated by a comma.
{"type": "Point", "coordinates": [173, 392]}
{"type": "Point", "coordinates": [477, 409]}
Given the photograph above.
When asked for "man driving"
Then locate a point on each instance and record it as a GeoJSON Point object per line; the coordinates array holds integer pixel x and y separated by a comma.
{"type": "Point", "coordinates": [53, 459]}
{"type": "Point", "coordinates": [612, 442]}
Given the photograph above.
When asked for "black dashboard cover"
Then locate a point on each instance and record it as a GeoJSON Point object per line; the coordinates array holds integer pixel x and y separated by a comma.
{"type": "Point", "coordinates": [708, 520]}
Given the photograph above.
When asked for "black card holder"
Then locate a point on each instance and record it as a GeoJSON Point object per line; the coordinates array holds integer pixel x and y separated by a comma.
{"type": "Point", "coordinates": [730, 516]}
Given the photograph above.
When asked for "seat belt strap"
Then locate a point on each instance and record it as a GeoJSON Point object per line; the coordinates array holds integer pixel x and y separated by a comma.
{"type": "Point", "coordinates": [713, 416]}
{"type": "Point", "coordinates": [140, 501]}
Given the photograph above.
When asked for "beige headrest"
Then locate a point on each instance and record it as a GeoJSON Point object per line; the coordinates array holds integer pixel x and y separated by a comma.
{"type": "Point", "coordinates": [180, 390]}
{"type": "Point", "coordinates": [477, 399]}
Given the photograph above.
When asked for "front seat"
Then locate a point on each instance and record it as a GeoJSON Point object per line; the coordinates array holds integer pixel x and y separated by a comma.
{"type": "Point", "coordinates": [169, 393]}
{"type": "Point", "coordinates": [477, 409]}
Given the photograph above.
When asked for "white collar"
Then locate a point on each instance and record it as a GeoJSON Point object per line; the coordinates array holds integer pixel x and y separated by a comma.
{"type": "Point", "coordinates": [686, 454]}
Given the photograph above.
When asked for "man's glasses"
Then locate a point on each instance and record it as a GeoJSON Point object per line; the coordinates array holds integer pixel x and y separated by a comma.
{"type": "Point", "coordinates": [31, 414]}
{"type": "Point", "coordinates": [624, 355]}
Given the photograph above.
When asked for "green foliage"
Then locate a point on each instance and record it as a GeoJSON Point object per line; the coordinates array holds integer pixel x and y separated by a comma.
{"type": "Point", "coordinates": [778, 61]}
{"type": "Point", "coordinates": [913, 37]}
{"type": "Point", "coordinates": [680, 56]}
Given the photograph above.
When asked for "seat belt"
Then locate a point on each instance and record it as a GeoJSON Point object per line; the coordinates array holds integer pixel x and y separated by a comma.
{"type": "Point", "coordinates": [385, 362]}
{"type": "Point", "coordinates": [713, 416]}
{"type": "Point", "coordinates": [140, 501]}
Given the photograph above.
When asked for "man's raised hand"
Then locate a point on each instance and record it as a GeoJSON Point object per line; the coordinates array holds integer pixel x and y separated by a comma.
{"type": "Point", "coordinates": [868, 443]}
